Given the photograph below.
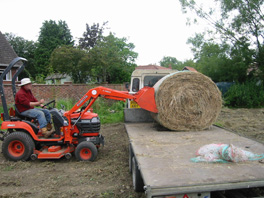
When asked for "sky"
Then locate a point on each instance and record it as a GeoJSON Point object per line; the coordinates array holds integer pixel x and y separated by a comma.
{"type": "Point", "coordinates": [157, 28]}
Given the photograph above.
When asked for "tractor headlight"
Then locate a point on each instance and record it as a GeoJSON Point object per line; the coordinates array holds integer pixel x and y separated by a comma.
{"type": "Point", "coordinates": [95, 120]}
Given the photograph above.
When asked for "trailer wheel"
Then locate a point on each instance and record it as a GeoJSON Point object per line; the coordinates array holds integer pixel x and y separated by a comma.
{"type": "Point", "coordinates": [86, 151]}
{"type": "Point", "coordinates": [138, 183]}
{"type": "Point", "coordinates": [130, 156]}
{"type": "Point", "coordinates": [18, 146]}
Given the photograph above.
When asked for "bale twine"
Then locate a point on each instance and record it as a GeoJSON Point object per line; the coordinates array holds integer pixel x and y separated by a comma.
{"type": "Point", "coordinates": [187, 101]}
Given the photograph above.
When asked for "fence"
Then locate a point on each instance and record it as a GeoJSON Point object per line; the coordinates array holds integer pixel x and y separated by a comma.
{"type": "Point", "coordinates": [57, 92]}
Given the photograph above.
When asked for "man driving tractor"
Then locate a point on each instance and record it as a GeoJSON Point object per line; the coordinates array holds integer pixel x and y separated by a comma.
{"type": "Point", "coordinates": [25, 103]}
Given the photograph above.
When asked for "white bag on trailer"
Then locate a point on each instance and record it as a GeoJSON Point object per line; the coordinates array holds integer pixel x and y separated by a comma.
{"type": "Point", "coordinates": [224, 153]}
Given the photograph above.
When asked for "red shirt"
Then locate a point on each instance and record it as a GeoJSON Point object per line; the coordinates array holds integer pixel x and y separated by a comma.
{"type": "Point", "coordinates": [23, 98]}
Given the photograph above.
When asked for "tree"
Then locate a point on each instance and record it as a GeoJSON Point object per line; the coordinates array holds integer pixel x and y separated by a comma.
{"type": "Point", "coordinates": [113, 59]}
{"type": "Point", "coordinates": [190, 63]}
{"type": "Point", "coordinates": [25, 49]}
{"type": "Point", "coordinates": [71, 61]}
{"type": "Point", "coordinates": [168, 61]}
{"type": "Point", "coordinates": [52, 35]}
{"type": "Point", "coordinates": [91, 36]}
{"type": "Point", "coordinates": [214, 63]}
{"type": "Point", "coordinates": [240, 24]}
{"type": "Point", "coordinates": [219, 61]}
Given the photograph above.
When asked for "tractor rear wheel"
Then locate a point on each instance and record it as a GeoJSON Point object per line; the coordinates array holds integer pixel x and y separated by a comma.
{"type": "Point", "coordinates": [86, 151]}
{"type": "Point", "coordinates": [18, 146]}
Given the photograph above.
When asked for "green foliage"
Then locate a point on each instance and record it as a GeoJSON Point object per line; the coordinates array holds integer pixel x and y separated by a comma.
{"type": "Point", "coordinates": [213, 62]}
{"type": "Point", "coordinates": [91, 35]}
{"type": "Point", "coordinates": [8, 168]}
{"type": "Point", "coordinates": [219, 124]}
{"type": "Point", "coordinates": [51, 36]}
{"type": "Point", "coordinates": [237, 24]}
{"type": "Point", "coordinates": [221, 62]}
{"type": "Point", "coordinates": [190, 63]}
{"type": "Point", "coordinates": [248, 95]}
{"type": "Point", "coordinates": [168, 61]}
{"type": "Point", "coordinates": [239, 20]}
{"type": "Point", "coordinates": [97, 58]}
{"type": "Point", "coordinates": [109, 59]}
{"type": "Point", "coordinates": [40, 78]}
{"type": "Point", "coordinates": [72, 61]}
{"type": "Point", "coordinates": [67, 103]}
{"type": "Point", "coordinates": [113, 59]}
{"type": "Point", "coordinates": [109, 111]}
{"type": "Point", "coordinates": [107, 194]}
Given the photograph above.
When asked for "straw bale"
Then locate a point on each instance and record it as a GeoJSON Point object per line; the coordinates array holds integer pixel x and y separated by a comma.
{"type": "Point", "coordinates": [187, 101]}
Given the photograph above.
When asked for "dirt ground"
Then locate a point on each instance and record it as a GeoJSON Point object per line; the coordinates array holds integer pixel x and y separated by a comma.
{"type": "Point", "coordinates": [247, 122]}
{"type": "Point", "coordinates": [108, 176]}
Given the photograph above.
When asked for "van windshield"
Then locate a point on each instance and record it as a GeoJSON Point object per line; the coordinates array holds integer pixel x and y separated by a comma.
{"type": "Point", "coordinates": [150, 81]}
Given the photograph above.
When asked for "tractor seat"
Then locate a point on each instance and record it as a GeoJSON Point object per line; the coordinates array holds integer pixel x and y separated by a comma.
{"type": "Point", "coordinates": [26, 119]}
{"type": "Point", "coordinates": [18, 114]}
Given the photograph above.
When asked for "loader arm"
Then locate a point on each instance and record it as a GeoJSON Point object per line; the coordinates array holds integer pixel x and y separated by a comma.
{"type": "Point", "coordinates": [144, 97]}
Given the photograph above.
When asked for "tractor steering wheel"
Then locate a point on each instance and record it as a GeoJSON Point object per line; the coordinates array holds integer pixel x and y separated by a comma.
{"type": "Point", "coordinates": [49, 103]}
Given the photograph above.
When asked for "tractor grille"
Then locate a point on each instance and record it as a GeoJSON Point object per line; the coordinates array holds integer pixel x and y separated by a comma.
{"type": "Point", "coordinates": [88, 125]}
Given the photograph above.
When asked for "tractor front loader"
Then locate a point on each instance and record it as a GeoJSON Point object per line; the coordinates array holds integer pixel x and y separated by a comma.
{"type": "Point", "coordinates": [76, 130]}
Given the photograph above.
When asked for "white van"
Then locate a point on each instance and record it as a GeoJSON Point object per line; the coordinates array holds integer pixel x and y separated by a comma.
{"type": "Point", "coordinates": [144, 76]}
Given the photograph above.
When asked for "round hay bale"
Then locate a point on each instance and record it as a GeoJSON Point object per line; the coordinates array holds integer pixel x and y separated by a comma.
{"type": "Point", "coordinates": [187, 101]}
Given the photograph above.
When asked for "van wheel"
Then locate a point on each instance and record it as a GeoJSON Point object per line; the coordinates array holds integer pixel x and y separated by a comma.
{"type": "Point", "coordinates": [18, 146]}
{"type": "Point", "coordinates": [86, 151]}
{"type": "Point", "coordinates": [138, 183]}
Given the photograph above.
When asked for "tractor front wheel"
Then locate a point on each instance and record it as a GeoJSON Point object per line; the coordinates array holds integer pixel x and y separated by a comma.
{"type": "Point", "coordinates": [86, 151]}
{"type": "Point", "coordinates": [18, 146]}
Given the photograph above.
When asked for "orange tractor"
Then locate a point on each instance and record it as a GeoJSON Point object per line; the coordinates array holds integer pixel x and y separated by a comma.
{"type": "Point", "coordinates": [76, 130]}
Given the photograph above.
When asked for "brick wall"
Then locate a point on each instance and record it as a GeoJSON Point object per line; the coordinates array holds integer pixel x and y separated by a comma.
{"type": "Point", "coordinates": [66, 91]}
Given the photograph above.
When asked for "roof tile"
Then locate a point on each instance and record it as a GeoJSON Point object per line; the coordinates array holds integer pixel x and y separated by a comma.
{"type": "Point", "coordinates": [7, 53]}
{"type": "Point", "coordinates": [151, 67]}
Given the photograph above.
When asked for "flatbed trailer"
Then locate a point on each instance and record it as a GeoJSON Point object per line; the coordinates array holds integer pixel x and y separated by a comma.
{"type": "Point", "coordinates": [160, 161]}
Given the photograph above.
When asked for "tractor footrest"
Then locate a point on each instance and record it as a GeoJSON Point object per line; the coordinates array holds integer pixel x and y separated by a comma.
{"type": "Point", "coordinates": [54, 148]}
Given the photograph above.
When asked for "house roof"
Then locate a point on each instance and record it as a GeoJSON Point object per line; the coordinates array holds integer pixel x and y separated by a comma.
{"type": "Point", "coordinates": [56, 76]}
{"type": "Point", "coordinates": [190, 69]}
{"type": "Point", "coordinates": [7, 53]}
{"type": "Point", "coordinates": [151, 67]}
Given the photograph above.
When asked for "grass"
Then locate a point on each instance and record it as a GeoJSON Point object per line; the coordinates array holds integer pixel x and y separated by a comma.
{"type": "Point", "coordinates": [8, 168]}
{"type": "Point", "coordinates": [219, 124]}
{"type": "Point", "coordinates": [67, 103]}
{"type": "Point", "coordinates": [107, 194]}
{"type": "Point", "coordinates": [109, 111]}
